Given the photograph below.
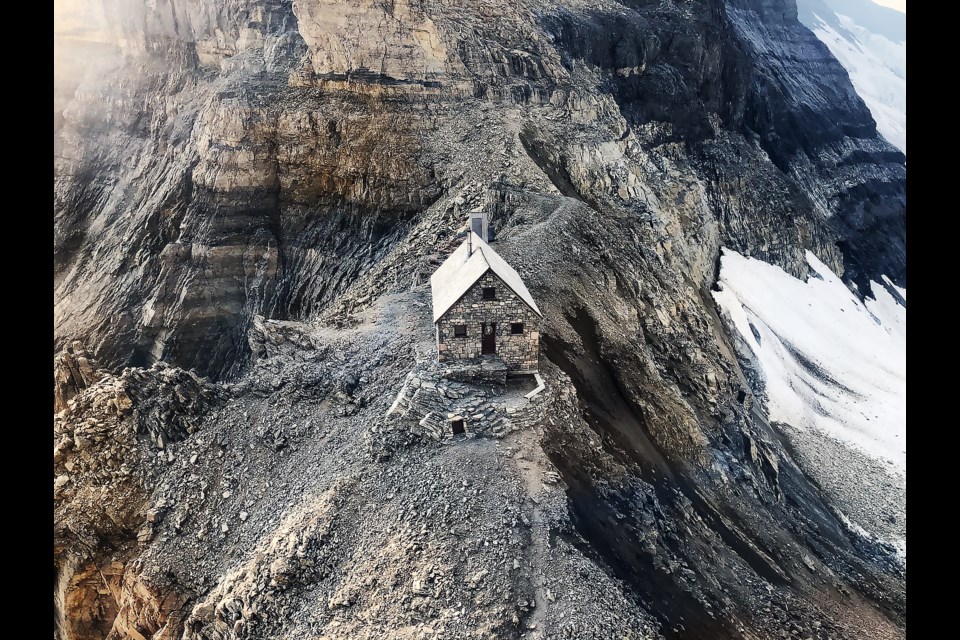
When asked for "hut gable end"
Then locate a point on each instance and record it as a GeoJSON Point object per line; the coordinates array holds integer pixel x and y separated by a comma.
{"type": "Point", "coordinates": [482, 308]}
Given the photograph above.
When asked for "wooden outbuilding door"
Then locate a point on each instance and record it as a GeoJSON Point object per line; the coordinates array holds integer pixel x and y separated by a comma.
{"type": "Point", "coordinates": [488, 341]}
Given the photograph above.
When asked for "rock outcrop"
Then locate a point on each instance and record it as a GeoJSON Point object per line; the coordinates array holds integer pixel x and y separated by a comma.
{"type": "Point", "coordinates": [108, 436]}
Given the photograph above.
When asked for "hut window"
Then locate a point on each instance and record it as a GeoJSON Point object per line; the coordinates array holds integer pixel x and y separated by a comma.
{"type": "Point", "coordinates": [516, 327]}
{"type": "Point", "coordinates": [489, 293]}
{"type": "Point", "coordinates": [459, 331]}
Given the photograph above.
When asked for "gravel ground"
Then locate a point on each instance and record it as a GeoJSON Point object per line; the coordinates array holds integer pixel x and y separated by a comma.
{"type": "Point", "coordinates": [871, 493]}
{"type": "Point", "coordinates": [281, 514]}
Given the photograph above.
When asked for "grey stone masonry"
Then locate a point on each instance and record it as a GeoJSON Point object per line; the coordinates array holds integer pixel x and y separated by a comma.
{"type": "Point", "coordinates": [520, 352]}
{"type": "Point", "coordinates": [489, 370]}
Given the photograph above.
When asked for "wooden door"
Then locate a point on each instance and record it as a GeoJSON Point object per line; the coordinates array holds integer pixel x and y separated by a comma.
{"type": "Point", "coordinates": [488, 340]}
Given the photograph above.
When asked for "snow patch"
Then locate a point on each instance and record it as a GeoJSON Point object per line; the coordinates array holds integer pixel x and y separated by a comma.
{"type": "Point", "coordinates": [829, 361]}
{"type": "Point", "coordinates": [898, 545]}
{"type": "Point", "coordinates": [900, 290]}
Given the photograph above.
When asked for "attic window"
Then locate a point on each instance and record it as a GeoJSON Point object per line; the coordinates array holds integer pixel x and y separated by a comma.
{"type": "Point", "coordinates": [516, 327]}
{"type": "Point", "coordinates": [459, 331]}
{"type": "Point", "coordinates": [489, 293]}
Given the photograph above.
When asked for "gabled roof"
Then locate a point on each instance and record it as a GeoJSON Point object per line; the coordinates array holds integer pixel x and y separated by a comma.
{"type": "Point", "coordinates": [461, 270]}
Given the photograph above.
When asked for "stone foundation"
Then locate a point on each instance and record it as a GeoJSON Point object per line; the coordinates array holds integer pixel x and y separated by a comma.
{"type": "Point", "coordinates": [429, 402]}
{"type": "Point", "coordinates": [485, 370]}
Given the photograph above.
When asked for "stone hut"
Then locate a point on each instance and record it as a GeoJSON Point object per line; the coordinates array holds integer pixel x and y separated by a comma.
{"type": "Point", "coordinates": [482, 309]}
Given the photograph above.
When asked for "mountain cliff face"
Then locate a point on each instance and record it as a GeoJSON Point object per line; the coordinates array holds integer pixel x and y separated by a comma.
{"type": "Point", "coordinates": [870, 41]}
{"type": "Point", "coordinates": [250, 197]}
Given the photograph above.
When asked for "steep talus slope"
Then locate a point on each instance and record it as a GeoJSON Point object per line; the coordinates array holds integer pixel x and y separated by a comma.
{"type": "Point", "coordinates": [310, 162]}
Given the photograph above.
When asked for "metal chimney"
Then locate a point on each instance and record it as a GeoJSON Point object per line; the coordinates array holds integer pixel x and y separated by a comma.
{"type": "Point", "coordinates": [479, 225]}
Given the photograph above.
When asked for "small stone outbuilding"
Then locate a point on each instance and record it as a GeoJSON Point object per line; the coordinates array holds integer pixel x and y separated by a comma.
{"type": "Point", "coordinates": [482, 308]}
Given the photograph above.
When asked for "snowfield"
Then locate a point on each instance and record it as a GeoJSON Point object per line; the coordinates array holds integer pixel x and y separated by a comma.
{"type": "Point", "coordinates": [832, 373]}
{"type": "Point", "coordinates": [829, 362]}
